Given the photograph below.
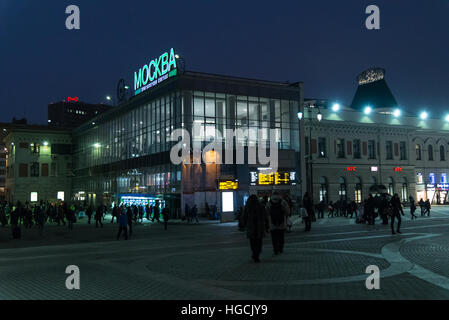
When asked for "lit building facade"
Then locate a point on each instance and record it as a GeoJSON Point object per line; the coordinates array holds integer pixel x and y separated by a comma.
{"type": "Point", "coordinates": [125, 153]}
{"type": "Point", "coordinates": [38, 164]}
{"type": "Point", "coordinates": [353, 151]}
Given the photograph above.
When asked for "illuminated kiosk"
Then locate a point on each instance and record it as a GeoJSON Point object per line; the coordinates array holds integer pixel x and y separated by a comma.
{"type": "Point", "coordinates": [127, 150]}
{"type": "Point", "coordinates": [227, 188]}
{"type": "Point", "coordinates": [141, 200]}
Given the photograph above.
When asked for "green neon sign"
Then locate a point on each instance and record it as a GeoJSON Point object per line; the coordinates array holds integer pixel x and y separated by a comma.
{"type": "Point", "coordinates": [156, 71]}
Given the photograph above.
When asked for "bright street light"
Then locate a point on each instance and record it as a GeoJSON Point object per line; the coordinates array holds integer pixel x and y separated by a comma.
{"type": "Point", "coordinates": [447, 118]}
{"type": "Point", "coordinates": [300, 115]}
{"type": "Point", "coordinates": [367, 110]}
{"type": "Point", "coordinates": [397, 113]}
{"type": "Point", "coordinates": [424, 115]}
{"type": "Point", "coordinates": [319, 116]}
{"type": "Point", "coordinates": [335, 107]}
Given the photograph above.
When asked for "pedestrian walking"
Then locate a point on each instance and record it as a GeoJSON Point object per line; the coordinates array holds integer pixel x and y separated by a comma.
{"type": "Point", "coordinates": [422, 206]}
{"type": "Point", "coordinates": [308, 206]}
{"type": "Point", "coordinates": [165, 216]}
{"type": "Point", "coordinates": [255, 221]}
{"type": "Point", "coordinates": [123, 225]}
{"type": "Point", "coordinates": [129, 215]}
{"type": "Point", "coordinates": [427, 207]}
{"type": "Point", "coordinates": [412, 207]}
{"type": "Point", "coordinates": [278, 212]}
{"type": "Point", "coordinates": [396, 209]}
{"type": "Point", "coordinates": [99, 216]}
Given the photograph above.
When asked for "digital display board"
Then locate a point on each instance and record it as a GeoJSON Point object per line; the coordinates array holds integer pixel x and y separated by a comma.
{"type": "Point", "coordinates": [228, 185]}
{"type": "Point", "coordinates": [273, 179]}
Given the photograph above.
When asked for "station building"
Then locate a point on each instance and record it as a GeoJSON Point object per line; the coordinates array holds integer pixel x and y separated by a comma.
{"type": "Point", "coordinates": [123, 155]}
{"type": "Point", "coordinates": [374, 146]}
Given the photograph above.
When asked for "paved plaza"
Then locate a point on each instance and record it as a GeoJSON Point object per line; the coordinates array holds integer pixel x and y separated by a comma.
{"type": "Point", "coordinates": [212, 261]}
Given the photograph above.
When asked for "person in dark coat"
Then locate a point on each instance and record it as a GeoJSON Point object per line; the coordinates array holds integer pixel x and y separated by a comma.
{"type": "Point", "coordinates": [129, 214]}
{"type": "Point", "coordinates": [255, 221]}
{"type": "Point", "coordinates": [165, 216]}
{"type": "Point", "coordinates": [412, 207]}
{"type": "Point", "coordinates": [308, 206]}
{"type": "Point", "coordinates": [278, 211]}
{"type": "Point", "coordinates": [422, 206]}
{"type": "Point", "coordinates": [397, 209]}
{"type": "Point", "coordinates": [99, 216]}
{"type": "Point", "coordinates": [123, 225]}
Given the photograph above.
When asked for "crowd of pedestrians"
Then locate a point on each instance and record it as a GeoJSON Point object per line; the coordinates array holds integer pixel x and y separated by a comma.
{"type": "Point", "coordinates": [66, 214]}
{"type": "Point", "coordinates": [260, 217]}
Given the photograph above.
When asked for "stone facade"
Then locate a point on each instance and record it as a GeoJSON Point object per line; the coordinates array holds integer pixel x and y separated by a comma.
{"type": "Point", "coordinates": [348, 147]}
{"type": "Point", "coordinates": [38, 161]}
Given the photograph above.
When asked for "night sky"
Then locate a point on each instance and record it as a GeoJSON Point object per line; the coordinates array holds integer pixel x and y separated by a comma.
{"type": "Point", "coordinates": [323, 43]}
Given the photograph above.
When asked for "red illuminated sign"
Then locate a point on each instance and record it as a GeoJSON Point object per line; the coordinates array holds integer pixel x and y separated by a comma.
{"type": "Point", "coordinates": [398, 169]}
{"type": "Point", "coordinates": [72, 99]}
{"type": "Point", "coordinates": [351, 169]}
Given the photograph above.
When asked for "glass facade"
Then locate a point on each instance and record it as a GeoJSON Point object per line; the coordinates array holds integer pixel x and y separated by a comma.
{"type": "Point", "coordinates": [127, 151]}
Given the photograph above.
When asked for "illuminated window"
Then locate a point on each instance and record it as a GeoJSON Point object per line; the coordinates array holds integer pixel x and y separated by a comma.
{"type": "Point", "coordinates": [443, 178]}
{"type": "Point", "coordinates": [418, 152]}
{"type": "Point", "coordinates": [61, 195]}
{"type": "Point", "coordinates": [419, 178]}
{"type": "Point", "coordinates": [322, 147]}
{"type": "Point", "coordinates": [432, 178]}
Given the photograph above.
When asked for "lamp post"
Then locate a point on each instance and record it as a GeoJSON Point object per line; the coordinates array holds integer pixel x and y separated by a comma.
{"type": "Point", "coordinates": [309, 159]}
{"type": "Point", "coordinates": [182, 67]}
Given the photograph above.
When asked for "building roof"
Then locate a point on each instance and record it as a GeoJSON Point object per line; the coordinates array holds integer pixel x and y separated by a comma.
{"type": "Point", "coordinates": [373, 91]}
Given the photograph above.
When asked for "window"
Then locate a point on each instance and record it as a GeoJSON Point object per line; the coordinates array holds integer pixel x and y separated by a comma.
{"type": "Point", "coordinates": [442, 154]}
{"type": "Point", "coordinates": [404, 189]}
{"type": "Point", "coordinates": [389, 150]}
{"type": "Point", "coordinates": [403, 150]}
{"type": "Point", "coordinates": [342, 189]}
{"type": "Point", "coordinates": [419, 178]}
{"type": "Point", "coordinates": [432, 178]}
{"type": "Point", "coordinates": [418, 152]}
{"type": "Point", "coordinates": [322, 148]}
{"type": "Point", "coordinates": [356, 146]}
{"type": "Point", "coordinates": [390, 186]}
{"type": "Point", "coordinates": [340, 144]}
{"type": "Point", "coordinates": [53, 169]}
{"type": "Point", "coordinates": [430, 151]}
{"type": "Point", "coordinates": [323, 189]}
{"type": "Point", "coordinates": [443, 178]}
{"type": "Point", "coordinates": [358, 190]}
{"type": "Point", "coordinates": [45, 169]}
{"type": "Point", "coordinates": [35, 147]}
{"type": "Point", "coordinates": [34, 170]}
{"type": "Point", "coordinates": [371, 149]}
{"type": "Point", "coordinates": [23, 170]}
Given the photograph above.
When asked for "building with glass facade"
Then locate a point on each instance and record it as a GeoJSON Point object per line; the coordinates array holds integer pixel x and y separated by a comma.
{"type": "Point", "coordinates": [124, 154]}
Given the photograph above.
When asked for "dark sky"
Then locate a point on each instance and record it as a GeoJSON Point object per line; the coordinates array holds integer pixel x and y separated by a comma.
{"type": "Point", "coordinates": [323, 43]}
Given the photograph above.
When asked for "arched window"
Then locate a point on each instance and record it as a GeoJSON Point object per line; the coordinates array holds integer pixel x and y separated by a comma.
{"type": "Point", "coordinates": [418, 152]}
{"type": "Point", "coordinates": [358, 190]}
{"type": "Point", "coordinates": [442, 153]}
{"type": "Point", "coordinates": [342, 188]}
{"type": "Point", "coordinates": [323, 189]}
{"type": "Point", "coordinates": [430, 151]}
{"type": "Point", "coordinates": [390, 186]}
{"type": "Point", "coordinates": [404, 192]}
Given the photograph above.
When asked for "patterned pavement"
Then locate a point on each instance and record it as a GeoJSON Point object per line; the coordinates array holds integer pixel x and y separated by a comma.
{"type": "Point", "coordinates": [211, 261]}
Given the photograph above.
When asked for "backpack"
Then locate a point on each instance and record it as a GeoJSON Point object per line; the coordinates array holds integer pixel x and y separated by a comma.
{"type": "Point", "coordinates": [276, 213]}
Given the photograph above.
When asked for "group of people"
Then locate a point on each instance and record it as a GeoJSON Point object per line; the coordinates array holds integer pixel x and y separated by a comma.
{"type": "Point", "coordinates": [29, 215]}
{"type": "Point", "coordinates": [262, 217]}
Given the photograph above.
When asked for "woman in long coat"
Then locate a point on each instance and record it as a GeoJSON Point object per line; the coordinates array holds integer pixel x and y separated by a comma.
{"type": "Point", "coordinates": [255, 221]}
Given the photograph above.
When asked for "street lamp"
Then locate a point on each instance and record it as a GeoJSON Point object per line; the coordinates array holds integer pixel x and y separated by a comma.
{"type": "Point", "coordinates": [183, 63]}
{"type": "Point", "coordinates": [309, 164]}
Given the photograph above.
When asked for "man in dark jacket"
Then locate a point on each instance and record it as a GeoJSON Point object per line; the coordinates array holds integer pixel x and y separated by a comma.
{"type": "Point", "coordinates": [123, 225]}
{"type": "Point", "coordinates": [255, 221]}
{"type": "Point", "coordinates": [397, 209]}
{"type": "Point", "coordinates": [99, 216]}
{"type": "Point", "coordinates": [129, 215]}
